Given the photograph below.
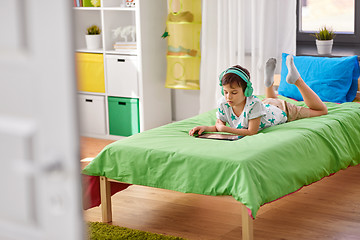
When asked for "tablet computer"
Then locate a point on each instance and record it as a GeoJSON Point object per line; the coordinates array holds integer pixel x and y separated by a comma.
{"type": "Point", "coordinates": [219, 136]}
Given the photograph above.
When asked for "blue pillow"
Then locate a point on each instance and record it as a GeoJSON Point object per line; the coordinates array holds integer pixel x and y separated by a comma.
{"type": "Point", "coordinates": [332, 79]}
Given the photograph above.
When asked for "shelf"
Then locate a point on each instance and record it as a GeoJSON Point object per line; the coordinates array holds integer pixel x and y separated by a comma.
{"type": "Point", "coordinates": [174, 56]}
{"type": "Point", "coordinates": [104, 8]}
{"type": "Point", "coordinates": [118, 9]}
{"type": "Point", "coordinates": [133, 53]}
{"type": "Point", "coordinates": [180, 23]}
{"type": "Point", "coordinates": [114, 20]}
{"type": "Point", "coordinates": [92, 93]}
{"type": "Point", "coordinates": [125, 73]}
{"type": "Point", "coordinates": [89, 50]}
{"type": "Point", "coordinates": [338, 50]}
{"type": "Point", "coordinates": [87, 8]}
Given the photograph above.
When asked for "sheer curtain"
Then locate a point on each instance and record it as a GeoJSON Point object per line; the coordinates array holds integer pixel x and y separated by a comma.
{"type": "Point", "coordinates": [244, 32]}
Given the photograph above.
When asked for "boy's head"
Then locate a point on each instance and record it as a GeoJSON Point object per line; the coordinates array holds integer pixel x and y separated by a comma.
{"type": "Point", "coordinates": [229, 77]}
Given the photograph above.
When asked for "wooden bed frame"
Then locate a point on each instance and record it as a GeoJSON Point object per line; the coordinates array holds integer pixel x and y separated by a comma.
{"type": "Point", "coordinates": [106, 211]}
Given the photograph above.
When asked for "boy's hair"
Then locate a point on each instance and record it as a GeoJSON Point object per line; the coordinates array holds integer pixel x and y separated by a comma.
{"type": "Point", "coordinates": [230, 78]}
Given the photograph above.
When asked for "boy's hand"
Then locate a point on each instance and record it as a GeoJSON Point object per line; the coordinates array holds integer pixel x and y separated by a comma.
{"type": "Point", "coordinates": [198, 129]}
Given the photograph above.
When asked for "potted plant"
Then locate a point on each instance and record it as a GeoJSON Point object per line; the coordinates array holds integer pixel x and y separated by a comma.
{"type": "Point", "coordinates": [93, 37]}
{"type": "Point", "coordinates": [324, 40]}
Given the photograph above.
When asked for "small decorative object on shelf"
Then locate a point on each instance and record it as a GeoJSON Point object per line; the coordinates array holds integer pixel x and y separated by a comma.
{"type": "Point", "coordinates": [130, 3]}
{"type": "Point", "coordinates": [91, 3]}
{"type": "Point", "coordinates": [124, 33]}
{"type": "Point", "coordinates": [125, 47]}
{"type": "Point", "coordinates": [93, 37]}
{"type": "Point", "coordinates": [324, 40]}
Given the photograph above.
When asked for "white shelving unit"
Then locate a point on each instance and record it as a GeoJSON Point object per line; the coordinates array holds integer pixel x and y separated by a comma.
{"type": "Point", "coordinates": [144, 75]}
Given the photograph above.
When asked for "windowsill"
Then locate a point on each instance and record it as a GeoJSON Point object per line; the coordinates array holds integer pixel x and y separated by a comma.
{"type": "Point", "coordinates": [338, 50]}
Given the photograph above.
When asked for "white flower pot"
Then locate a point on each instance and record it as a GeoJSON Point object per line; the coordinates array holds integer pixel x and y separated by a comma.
{"type": "Point", "coordinates": [93, 41]}
{"type": "Point", "coordinates": [324, 47]}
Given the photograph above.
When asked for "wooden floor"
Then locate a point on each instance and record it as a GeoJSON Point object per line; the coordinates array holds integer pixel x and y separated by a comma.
{"type": "Point", "coordinates": [328, 209]}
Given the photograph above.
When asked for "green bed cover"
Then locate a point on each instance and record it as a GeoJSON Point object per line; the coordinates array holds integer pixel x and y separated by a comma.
{"type": "Point", "coordinates": [255, 169]}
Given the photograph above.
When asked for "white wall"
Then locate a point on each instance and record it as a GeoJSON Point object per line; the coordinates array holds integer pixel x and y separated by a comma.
{"type": "Point", "coordinates": [185, 103]}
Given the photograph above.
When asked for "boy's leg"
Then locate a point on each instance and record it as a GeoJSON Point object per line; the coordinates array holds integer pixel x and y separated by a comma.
{"type": "Point", "coordinates": [269, 78]}
{"type": "Point", "coordinates": [311, 99]}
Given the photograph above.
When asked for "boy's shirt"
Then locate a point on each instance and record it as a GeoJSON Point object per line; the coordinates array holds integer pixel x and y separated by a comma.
{"type": "Point", "coordinates": [254, 108]}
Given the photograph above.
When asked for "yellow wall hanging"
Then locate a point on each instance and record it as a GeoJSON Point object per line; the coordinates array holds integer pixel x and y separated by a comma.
{"type": "Point", "coordinates": [183, 27]}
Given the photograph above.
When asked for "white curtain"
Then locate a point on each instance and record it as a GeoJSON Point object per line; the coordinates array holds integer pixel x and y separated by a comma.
{"type": "Point", "coordinates": [244, 32]}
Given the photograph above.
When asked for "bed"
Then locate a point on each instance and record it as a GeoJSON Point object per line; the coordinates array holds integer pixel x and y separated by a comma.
{"type": "Point", "coordinates": [255, 170]}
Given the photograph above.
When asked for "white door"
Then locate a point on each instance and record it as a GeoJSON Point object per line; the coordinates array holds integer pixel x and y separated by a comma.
{"type": "Point", "coordinates": [40, 190]}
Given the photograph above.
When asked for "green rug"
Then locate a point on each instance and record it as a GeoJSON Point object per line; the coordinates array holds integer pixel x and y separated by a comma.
{"type": "Point", "coordinates": [103, 231]}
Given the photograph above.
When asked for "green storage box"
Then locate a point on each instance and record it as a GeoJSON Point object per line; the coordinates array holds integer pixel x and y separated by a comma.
{"type": "Point", "coordinates": [123, 116]}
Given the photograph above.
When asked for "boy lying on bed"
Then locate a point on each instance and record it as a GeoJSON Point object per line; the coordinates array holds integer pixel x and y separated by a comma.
{"type": "Point", "coordinates": [246, 114]}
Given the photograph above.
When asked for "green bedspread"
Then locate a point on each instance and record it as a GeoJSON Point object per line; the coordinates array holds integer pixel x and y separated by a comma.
{"type": "Point", "coordinates": [254, 170]}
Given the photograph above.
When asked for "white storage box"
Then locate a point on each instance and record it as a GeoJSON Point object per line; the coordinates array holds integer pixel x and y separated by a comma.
{"type": "Point", "coordinates": [92, 114]}
{"type": "Point", "coordinates": [122, 76]}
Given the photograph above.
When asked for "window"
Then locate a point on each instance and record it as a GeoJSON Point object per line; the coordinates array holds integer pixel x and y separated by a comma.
{"type": "Point", "coordinates": [343, 16]}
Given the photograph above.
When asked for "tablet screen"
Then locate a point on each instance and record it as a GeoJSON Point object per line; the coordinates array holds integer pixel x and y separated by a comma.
{"type": "Point", "coordinates": [219, 136]}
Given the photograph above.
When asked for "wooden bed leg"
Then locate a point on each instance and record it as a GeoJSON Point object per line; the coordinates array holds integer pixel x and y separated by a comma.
{"type": "Point", "coordinates": [247, 224]}
{"type": "Point", "coordinates": [105, 194]}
